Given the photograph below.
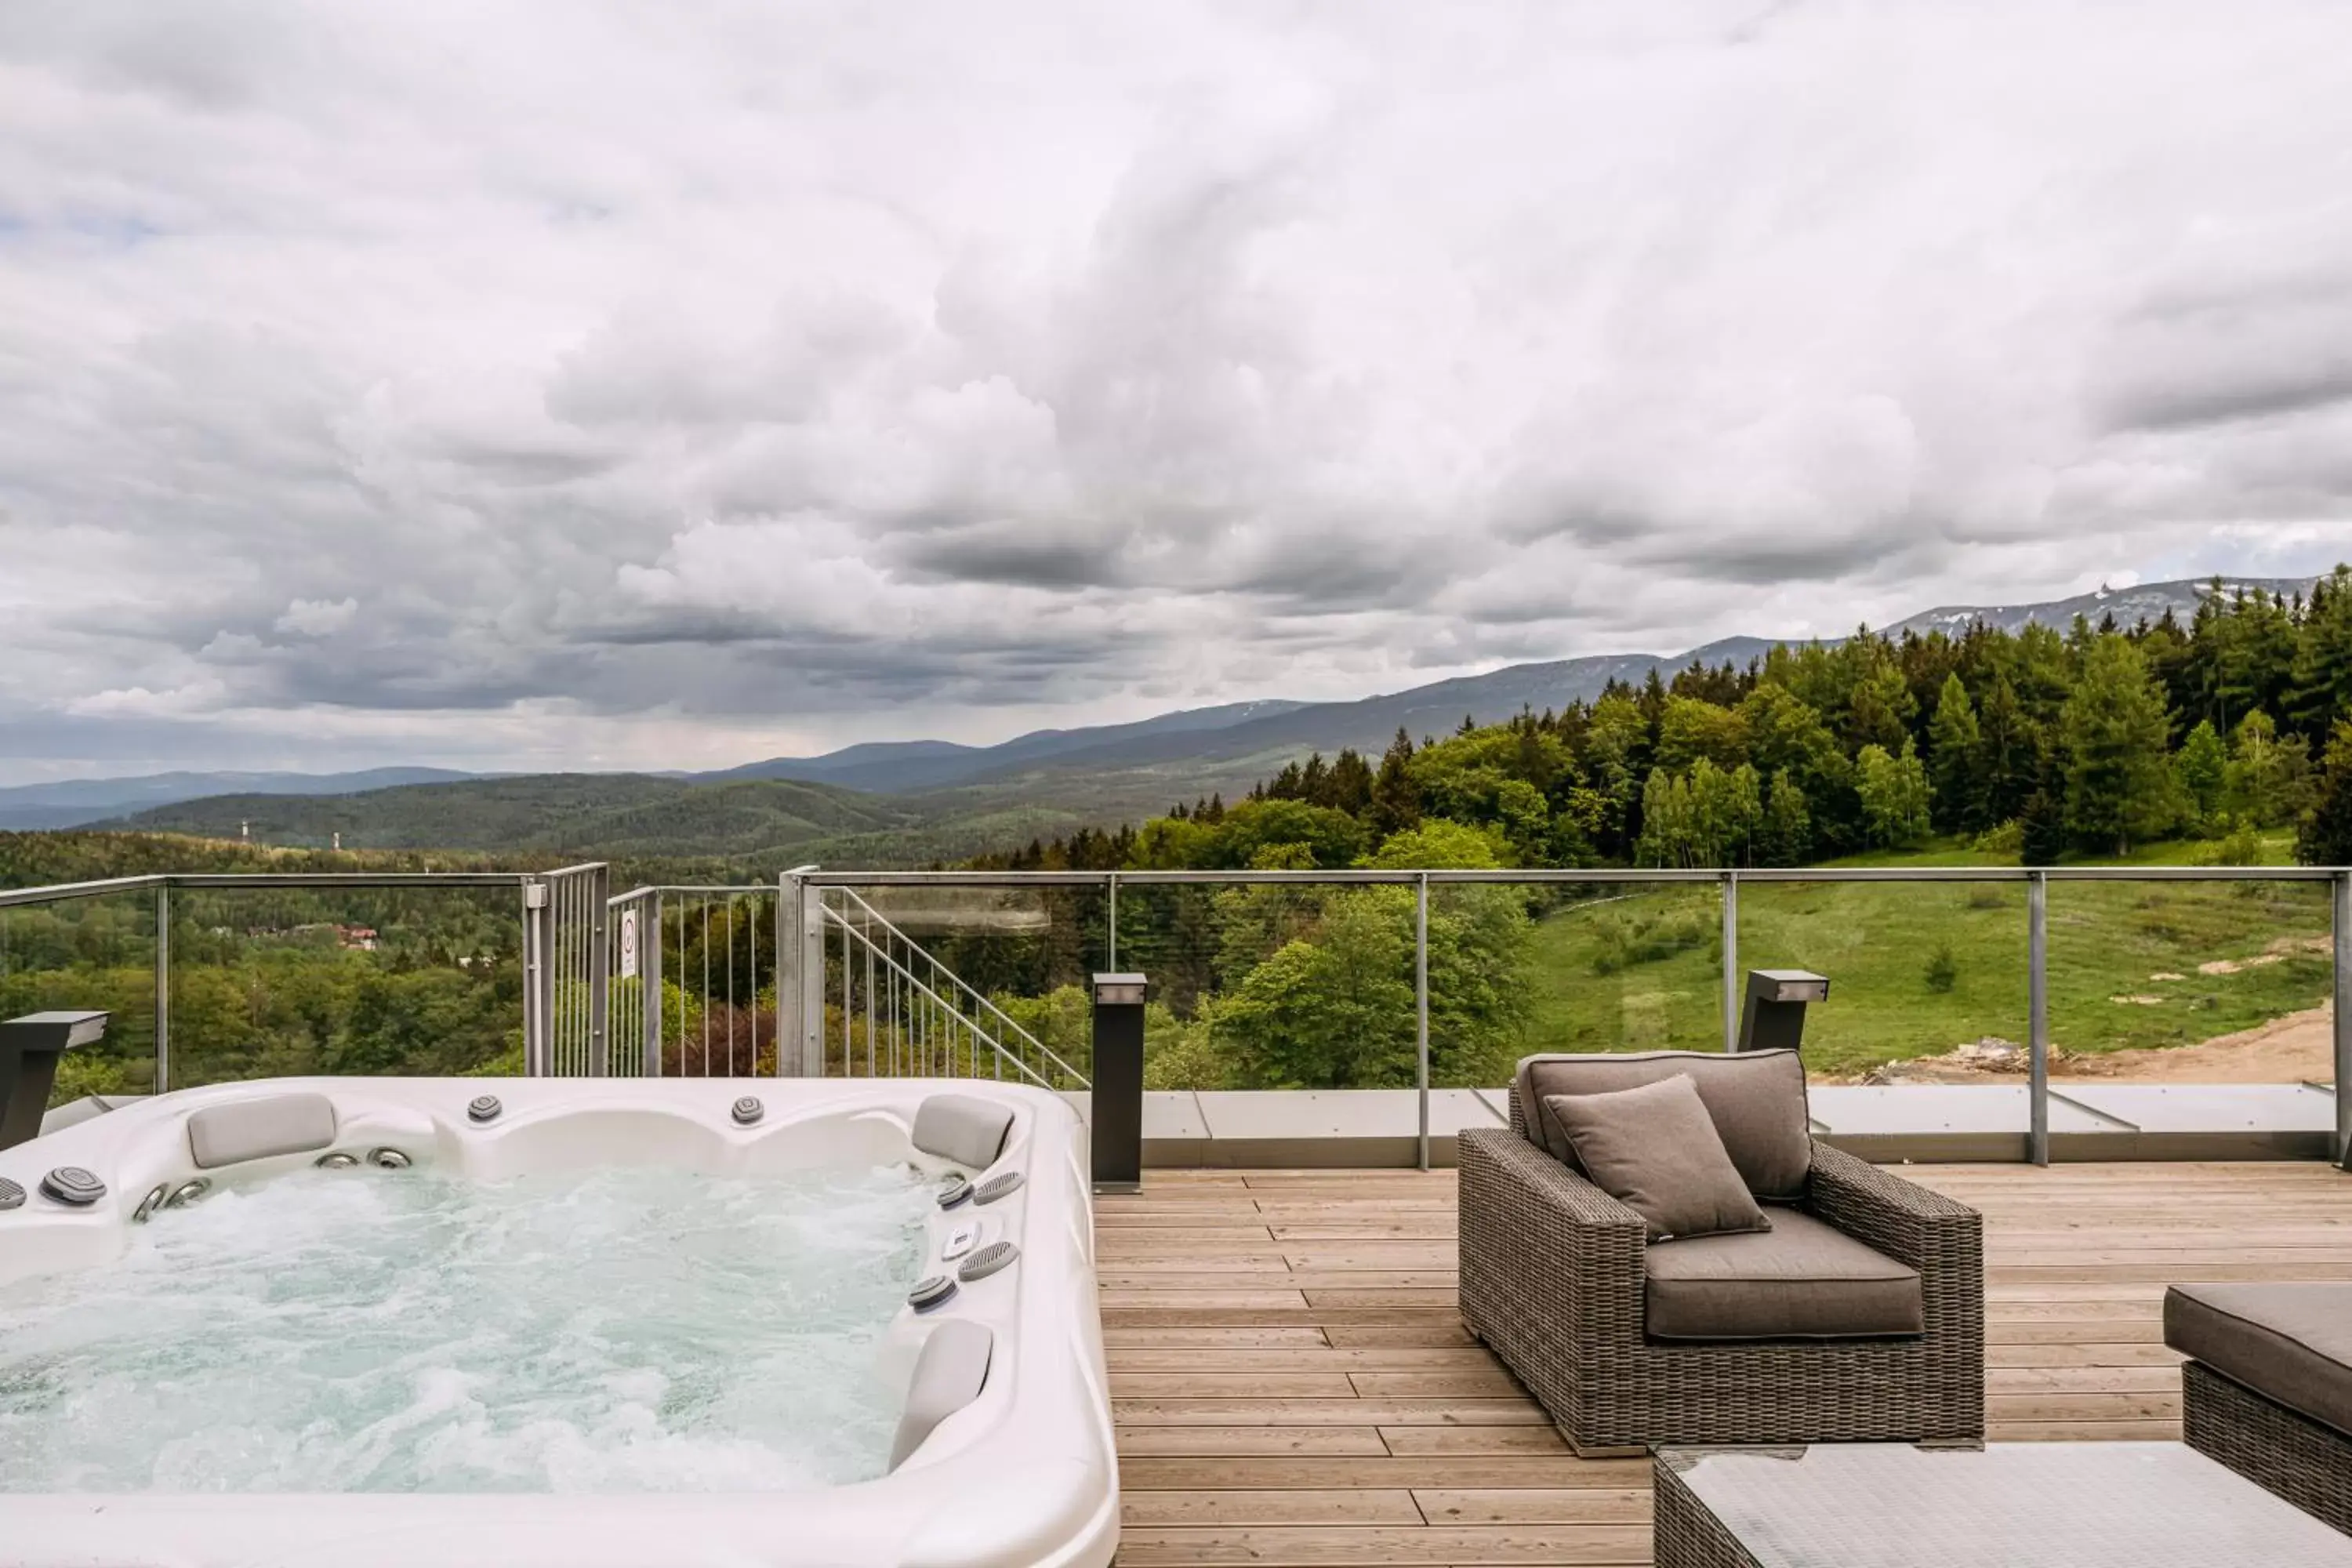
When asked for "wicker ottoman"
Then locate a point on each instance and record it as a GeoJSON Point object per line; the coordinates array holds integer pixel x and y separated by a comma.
{"type": "Point", "coordinates": [2006, 1505]}
{"type": "Point", "coordinates": [2267, 1390]}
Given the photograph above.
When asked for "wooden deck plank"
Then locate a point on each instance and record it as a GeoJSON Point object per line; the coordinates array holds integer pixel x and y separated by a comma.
{"type": "Point", "coordinates": [1292, 1383]}
{"type": "Point", "coordinates": [1471, 1546]}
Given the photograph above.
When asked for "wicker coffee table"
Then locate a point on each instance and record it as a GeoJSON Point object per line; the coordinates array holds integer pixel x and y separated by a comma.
{"type": "Point", "coordinates": [2006, 1505]}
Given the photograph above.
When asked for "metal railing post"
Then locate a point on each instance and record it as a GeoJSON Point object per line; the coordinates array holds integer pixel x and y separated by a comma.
{"type": "Point", "coordinates": [1421, 1004]}
{"type": "Point", "coordinates": [2037, 992]}
{"type": "Point", "coordinates": [1731, 998]}
{"type": "Point", "coordinates": [538, 981]}
{"type": "Point", "coordinates": [600, 972]}
{"type": "Point", "coordinates": [806, 1010]}
{"type": "Point", "coordinates": [649, 985]}
{"type": "Point", "coordinates": [2343, 924]}
{"type": "Point", "coordinates": [162, 988]}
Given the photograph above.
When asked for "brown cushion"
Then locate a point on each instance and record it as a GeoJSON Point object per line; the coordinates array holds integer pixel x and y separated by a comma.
{"type": "Point", "coordinates": [2291, 1343]}
{"type": "Point", "coordinates": [1654, 1150]}
{"type": "Point", "coordinates": [1756, 1099]}
{"type": "Point", "coordinates": [1801, 1279]}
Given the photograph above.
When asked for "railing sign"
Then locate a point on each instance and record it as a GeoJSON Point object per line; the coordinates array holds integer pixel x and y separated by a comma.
{"type": "Point", "coordinates": [628, 944]}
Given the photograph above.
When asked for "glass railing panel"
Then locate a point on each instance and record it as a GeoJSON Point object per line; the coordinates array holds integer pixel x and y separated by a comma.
{"type": "Point", "coordinates": [1928, 981]}
{"type": "Point", "coordinates": [963, 981]}
{"type": "Point", "coordinates": [1613, 966]}
{"type": "Point", "coordinates": [288, 982]}
{"type": "Point", "coordinates": [2178, 1007]}
{"type": "Point", "coordinates": [81, 953]}
{"type": "Point", "coordinates": [1285, 985]}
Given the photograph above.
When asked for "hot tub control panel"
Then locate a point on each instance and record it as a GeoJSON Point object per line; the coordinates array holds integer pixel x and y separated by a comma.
{"type": "Point", "coordinates": [961, 1240]}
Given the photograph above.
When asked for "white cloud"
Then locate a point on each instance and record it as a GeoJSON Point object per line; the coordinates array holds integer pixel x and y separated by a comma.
{"type": "Point", "coordinates": [757, 376]}
{"type": "Point", "coordinates": [317, 617]}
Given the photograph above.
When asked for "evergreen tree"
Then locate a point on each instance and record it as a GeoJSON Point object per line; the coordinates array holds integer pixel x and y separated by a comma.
{"type": "Point", "coordinates": [1955, 736]}
{"type": "Point", "coordinates": [2114, 727]}
{"type": "Point", "coordinates": [2323, 655]}
{"type": "Point", "coordinates": [1879, 713]}
{"type": "Point", "coordinates": [1349, 785]}
{"type": "Point", "coordinates": [2324, 838]}
{"type": "Point", "coordinates": [2008, 752]}
{"type": "Point", "coordinates": [2042, 818]}
{"type": "Point", "coordinates": [1395, 799]}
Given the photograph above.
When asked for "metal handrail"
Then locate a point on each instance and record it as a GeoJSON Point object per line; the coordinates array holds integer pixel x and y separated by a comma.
{"type": "Point", "coordinates": [1697, 875]}
{"type": "Point", "coordinates": [962, 984]}
{"type": "Point", "coordinates": [908, 976]}
{"type": "Point", "coordinates": [1728, 880]}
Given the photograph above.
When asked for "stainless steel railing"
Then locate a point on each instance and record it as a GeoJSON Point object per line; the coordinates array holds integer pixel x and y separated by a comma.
{"type": "Point", "coordinates": [911, 1014]}
{"type": "Point", "coordinates": [774, 978]}
{"type": "Point", "coordinates": [813, 885]}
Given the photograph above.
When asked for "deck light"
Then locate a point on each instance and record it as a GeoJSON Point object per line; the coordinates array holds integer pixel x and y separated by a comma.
{"type": "Point", "coordinates": [1774, 1017]}
{"type": "Point", "coordinates": [29, 1048]}
{"type": "Point", "coordinates": [1116, 1121]}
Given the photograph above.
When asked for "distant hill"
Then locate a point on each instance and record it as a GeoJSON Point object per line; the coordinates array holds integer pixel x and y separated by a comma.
{"type": "Point", "coordinates": [612, 815]}
{"type": "Point", "coordinates": [906, 767]}
{"type": "Point", "coordinates": [2146, 602]}
{"type": "Point", "coordinates": [907, 802]}
{"type": "Point", "coordinates": [69, 803]}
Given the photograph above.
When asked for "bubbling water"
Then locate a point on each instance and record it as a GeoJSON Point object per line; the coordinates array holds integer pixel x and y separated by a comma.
{"type": "Point", "coordinates": [369, 1332]}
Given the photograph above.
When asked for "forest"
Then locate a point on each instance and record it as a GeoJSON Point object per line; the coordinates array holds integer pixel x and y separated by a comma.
{"type": "Point", "coordinates": [2227, 739]}
{"type": "Point", "coordinates": [2041, 746]}
{"type": "Point", "coordinates": [2224, 741]}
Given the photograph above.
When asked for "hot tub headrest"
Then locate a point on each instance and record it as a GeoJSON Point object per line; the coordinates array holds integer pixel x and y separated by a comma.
{"type": "Point", "coordinates": [949, 1373]}
{"type": "Point", "coordinates": [256, 1128]}
{"type": "Point", "coordinates": [962, 1128]}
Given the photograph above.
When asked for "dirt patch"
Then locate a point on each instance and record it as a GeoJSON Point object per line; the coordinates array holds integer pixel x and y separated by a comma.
{"type": "Point", "coordinates": [2138, 1001]}
{"type": "Point", "coordinates": [2299, 1048]}
{"type": "Point", "coordinates": [1991, 1056]}
{"type": "Point", "coordinates": [2232, 965]}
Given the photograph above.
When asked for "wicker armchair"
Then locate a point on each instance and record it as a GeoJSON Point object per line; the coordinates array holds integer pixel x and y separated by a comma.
{"type": "Point", "coordinates": [1552, 1281]}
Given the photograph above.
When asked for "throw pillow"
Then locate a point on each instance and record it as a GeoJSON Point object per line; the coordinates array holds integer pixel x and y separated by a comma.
{"type": "Point", "coordinates": [1656, 1150]}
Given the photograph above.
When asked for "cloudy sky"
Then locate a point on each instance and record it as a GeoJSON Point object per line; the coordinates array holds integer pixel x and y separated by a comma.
{"type": "Point", "coordinates": [676, 382]}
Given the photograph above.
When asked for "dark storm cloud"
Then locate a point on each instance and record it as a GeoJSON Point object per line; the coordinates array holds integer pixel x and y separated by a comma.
{"type": "Point", "coordinates": [566, 383]}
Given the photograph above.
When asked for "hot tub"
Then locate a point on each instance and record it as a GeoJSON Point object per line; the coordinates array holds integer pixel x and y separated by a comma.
{"type": "Point", "coordinates": [437, 1198]}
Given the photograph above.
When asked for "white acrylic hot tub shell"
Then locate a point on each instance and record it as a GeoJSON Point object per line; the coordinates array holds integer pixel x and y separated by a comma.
{"type": "Point", "coordinates": [1025, 1477]}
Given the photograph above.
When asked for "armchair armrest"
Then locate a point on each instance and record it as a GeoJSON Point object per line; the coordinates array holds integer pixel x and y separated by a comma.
{"type": "Point", "coordinates": [1942, 1238]}
{"type": "Point", "coordinates": [1540, 1244]}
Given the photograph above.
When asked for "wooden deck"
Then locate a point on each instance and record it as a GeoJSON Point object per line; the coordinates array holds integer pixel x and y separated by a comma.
{"type": "Point", "coordinates": [1293, 1386]}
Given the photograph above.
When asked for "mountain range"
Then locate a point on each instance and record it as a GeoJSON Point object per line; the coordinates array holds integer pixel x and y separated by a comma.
{"type": "Point", "coordinates": [895, 801]}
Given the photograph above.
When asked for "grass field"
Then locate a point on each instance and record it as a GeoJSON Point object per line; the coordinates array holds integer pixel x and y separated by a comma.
{"type": "Point", "coordinates": [1641, 970]}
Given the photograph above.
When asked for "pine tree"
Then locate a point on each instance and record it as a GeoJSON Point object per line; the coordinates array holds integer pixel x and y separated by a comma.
{"type": "Point", "coordinates": [2323, 655]}
{"type": "Point", "coordinates": [2118, 776]}
{"type": "Point", "coordinates": [2041, 816]}
{"type": "Point", "coordinates": [2324, 838]}
{"type": "Point", "coordinates": [1348, 787]}
{"type": "Point", "coordinates": [1879, 713]}
{"type": "Point", "coordinates": [1396, 800]}
{"type": "Point", "coordinates": [1312, 780]}
{"type": "Point", "coordinates": [2008, 752]}
{"type": "Point", "coordinates": [1955, 736]}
